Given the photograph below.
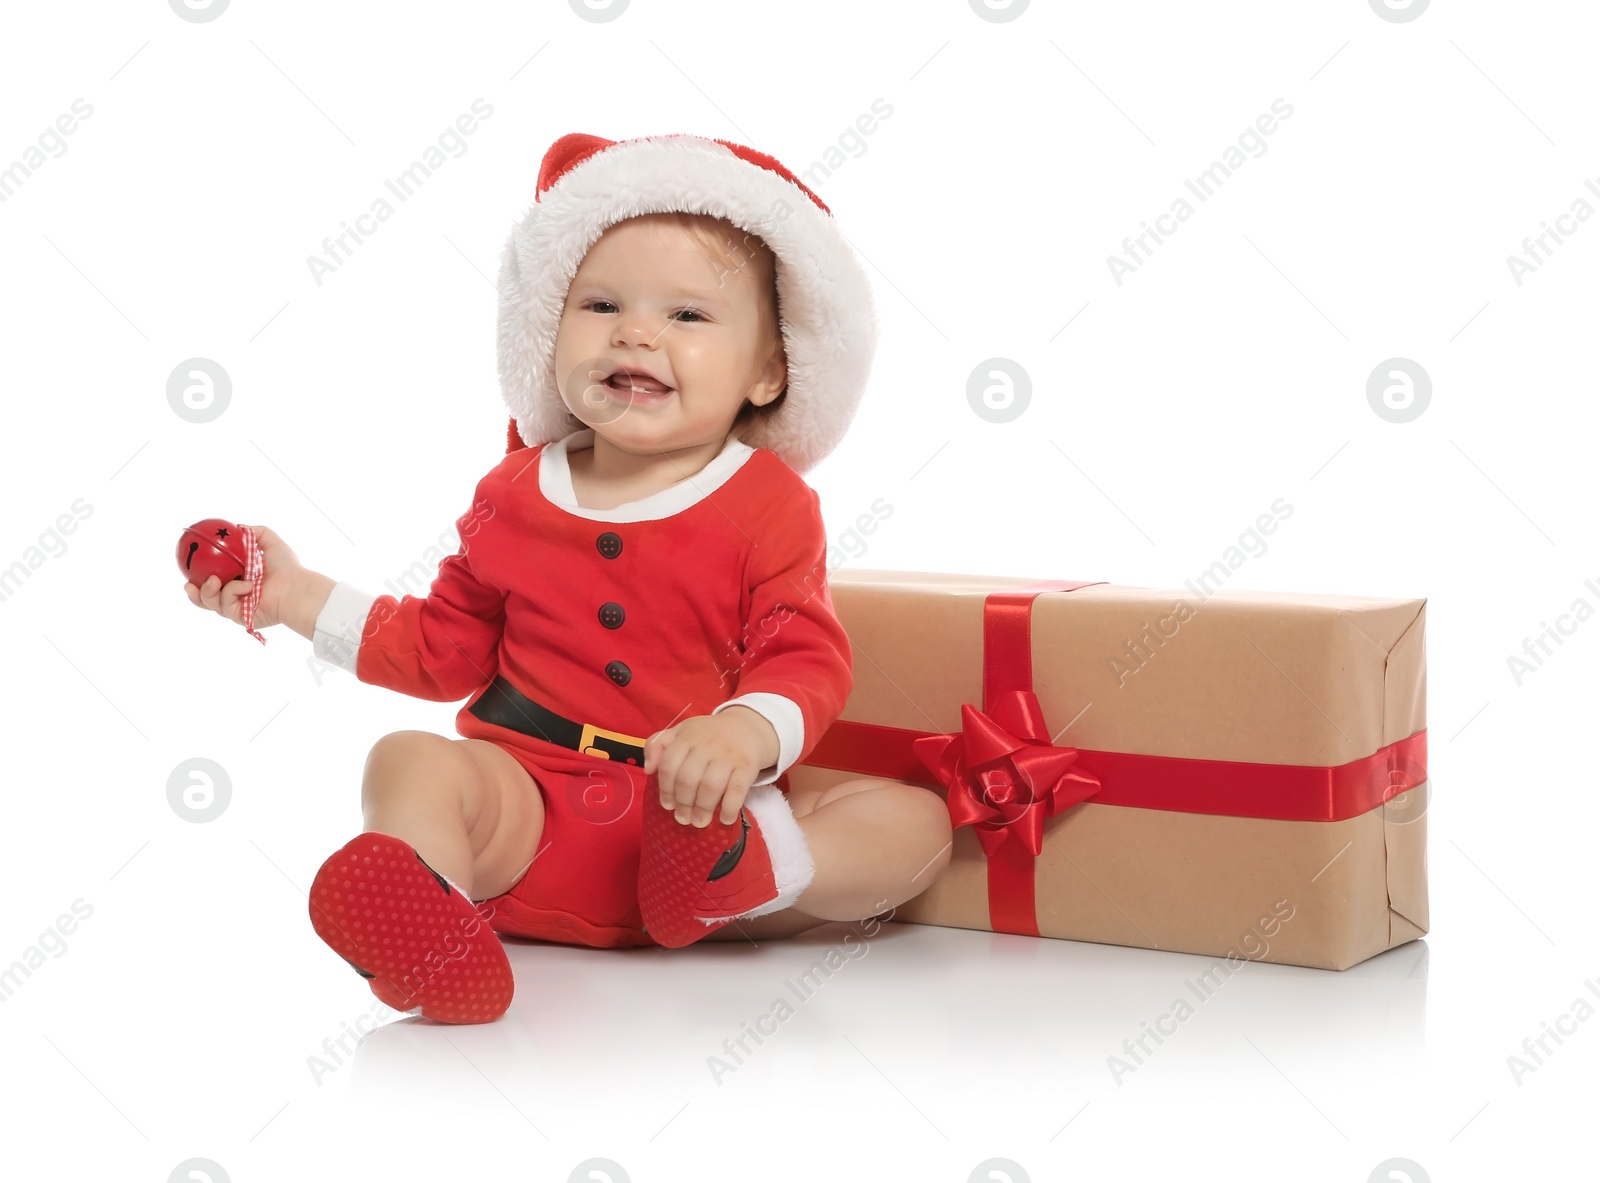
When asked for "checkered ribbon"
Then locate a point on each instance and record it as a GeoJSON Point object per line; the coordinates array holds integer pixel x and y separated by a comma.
{"type": "Point", "coordinates": [254, 570]}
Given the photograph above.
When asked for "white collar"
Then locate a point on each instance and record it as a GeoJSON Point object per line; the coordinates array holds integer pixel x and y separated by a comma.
{"type": "Point", "coordinates": [555, 481]}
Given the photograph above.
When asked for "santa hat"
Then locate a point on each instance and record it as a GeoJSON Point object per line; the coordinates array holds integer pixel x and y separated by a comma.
{"type": "Point", "coordinates": [587, 184]}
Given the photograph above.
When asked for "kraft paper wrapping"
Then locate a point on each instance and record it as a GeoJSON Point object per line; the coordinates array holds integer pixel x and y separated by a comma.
{"type": "Point", "coordinates": [1261, 677]}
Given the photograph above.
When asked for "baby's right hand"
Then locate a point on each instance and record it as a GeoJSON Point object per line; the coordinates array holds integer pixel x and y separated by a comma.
{"type": "Point", "coordinates": [280, 568]}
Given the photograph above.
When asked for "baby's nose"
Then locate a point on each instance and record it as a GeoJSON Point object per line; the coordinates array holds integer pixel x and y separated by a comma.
{"type": "Point", "coordinates": [638, 330]}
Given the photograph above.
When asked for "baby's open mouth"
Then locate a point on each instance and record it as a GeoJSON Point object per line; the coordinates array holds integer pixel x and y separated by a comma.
{"type": "Point", "coordinates": [636, 383]}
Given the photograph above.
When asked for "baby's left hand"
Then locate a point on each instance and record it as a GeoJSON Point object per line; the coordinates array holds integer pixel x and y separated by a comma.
{"type": "Point", "coordinates": [708, 759]}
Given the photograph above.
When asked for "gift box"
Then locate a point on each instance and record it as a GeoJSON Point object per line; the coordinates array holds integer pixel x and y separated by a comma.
{"type": "Point", "coordinates": [1232, 773]}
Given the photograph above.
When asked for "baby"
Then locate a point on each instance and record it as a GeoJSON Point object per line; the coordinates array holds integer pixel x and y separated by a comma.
{"type": "Point", "coordinates": [639, 610]}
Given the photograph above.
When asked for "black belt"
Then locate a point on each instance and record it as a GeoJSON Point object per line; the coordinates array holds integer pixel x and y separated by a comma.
{"type": "Point", "coordinates": [503, 705]}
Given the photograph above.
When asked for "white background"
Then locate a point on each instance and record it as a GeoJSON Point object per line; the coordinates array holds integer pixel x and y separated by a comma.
{"type": "Point", "coordinates": [1229, 370]}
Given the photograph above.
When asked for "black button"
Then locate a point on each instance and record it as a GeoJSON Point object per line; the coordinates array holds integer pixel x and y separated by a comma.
{"type": "Point", "coordinates": [619, 673]}
{"type": "Point", "coordinates": [612, 615]}
{"type": "Point", "coordinates": [609, 544]}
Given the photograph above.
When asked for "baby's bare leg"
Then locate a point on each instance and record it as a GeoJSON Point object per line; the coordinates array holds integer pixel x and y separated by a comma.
{"type": "Point", "coordinates": [773, 926]}
{"type": "Point", "coordinates": [876, 844]}
{"type": "Point", "coordinates": [467, 807]}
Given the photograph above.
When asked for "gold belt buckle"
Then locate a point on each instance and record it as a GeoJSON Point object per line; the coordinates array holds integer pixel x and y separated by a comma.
{"type": "Point", "coordinates": [590, 732]}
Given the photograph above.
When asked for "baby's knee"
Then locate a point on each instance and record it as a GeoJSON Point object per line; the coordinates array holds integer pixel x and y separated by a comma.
{"type": "Point", "coordinates": [932, 819]}
{"type": "Point", "coordinates": [403, 759]}
{"type": "Point", "coordinates": [929, 811]}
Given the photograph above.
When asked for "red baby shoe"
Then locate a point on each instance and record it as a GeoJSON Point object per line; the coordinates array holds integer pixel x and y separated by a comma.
{"type": "Point", "coordinates": [693, 880]}
{"type": "Point", "coordinates": [417, 940]}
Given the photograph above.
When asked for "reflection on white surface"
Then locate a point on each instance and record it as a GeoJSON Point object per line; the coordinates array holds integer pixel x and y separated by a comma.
{"type": "Point", "coordinates": [949, 1009]}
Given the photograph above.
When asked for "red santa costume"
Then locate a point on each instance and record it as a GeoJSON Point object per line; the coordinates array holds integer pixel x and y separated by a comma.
{"type": "Point", "coordinates": [575, 633]}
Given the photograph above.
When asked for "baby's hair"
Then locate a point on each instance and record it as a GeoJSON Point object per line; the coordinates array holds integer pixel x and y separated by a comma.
{"type": "Point", "coordinates": [733, 248]}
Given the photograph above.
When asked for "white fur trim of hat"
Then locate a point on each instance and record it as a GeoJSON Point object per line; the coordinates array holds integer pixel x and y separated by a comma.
{"type": "Point", "coordinates": [588, 184]}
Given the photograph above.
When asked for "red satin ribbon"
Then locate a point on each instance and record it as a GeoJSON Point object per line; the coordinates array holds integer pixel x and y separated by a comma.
{"type": "Point", "coordinates": [1004, 777]}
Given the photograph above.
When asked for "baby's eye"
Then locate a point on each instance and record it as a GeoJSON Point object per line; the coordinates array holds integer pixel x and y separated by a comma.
{"type": "Point", "coordinates": [606, 306]}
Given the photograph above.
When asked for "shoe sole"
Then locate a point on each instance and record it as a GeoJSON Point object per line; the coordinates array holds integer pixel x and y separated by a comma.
{"type": "Point", "coordinates": [398, 923]}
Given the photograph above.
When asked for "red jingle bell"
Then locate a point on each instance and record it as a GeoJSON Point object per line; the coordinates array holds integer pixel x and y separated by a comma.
{"type": "Point", "coordinates": [218, 547]}
{"type": "Point", "coordinates": [212, 547]}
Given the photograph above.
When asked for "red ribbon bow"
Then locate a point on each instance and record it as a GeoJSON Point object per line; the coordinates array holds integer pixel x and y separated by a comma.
{"type": "Point", "coordinates": [1003, 775]}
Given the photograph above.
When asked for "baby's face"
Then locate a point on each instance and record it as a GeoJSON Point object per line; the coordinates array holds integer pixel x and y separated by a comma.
{"type": "Point", "coordinates": [648, 298]}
